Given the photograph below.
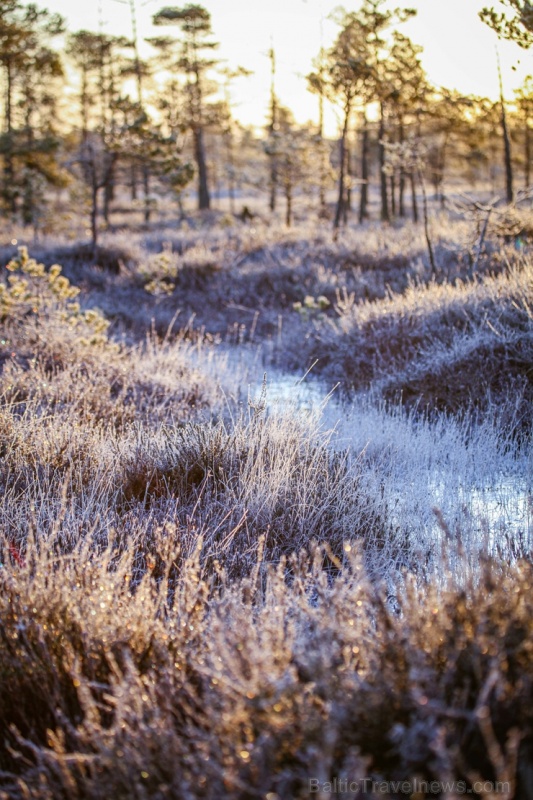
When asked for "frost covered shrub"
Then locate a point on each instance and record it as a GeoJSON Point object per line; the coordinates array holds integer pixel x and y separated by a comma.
{"type": "Point", "coordinates": [56, 355]}
{"type": "Point", "coordinates": [442, 346]}
{"type": "Point", "coordinates": [168, 626]}
{"type": "Point", "coordinates": [220, 689]}
{"type": "Point", "coordinates": [31, 290]}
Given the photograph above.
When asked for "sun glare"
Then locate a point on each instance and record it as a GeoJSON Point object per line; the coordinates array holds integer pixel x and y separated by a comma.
{"type": "Point", "coordinates": [459, 51]}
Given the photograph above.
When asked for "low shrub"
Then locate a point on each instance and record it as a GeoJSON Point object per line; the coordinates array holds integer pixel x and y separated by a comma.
{"type": "Point", "coordinates": [273, 684]}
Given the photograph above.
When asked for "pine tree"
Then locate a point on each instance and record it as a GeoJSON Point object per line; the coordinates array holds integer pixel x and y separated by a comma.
{"type": "Point", "coordinates": [316, 84]}
{"type": "Point", "coordinates": [348, 76]}
{"type": "Point", "coordinates": [292, 147]}
{"type": "Point", "coordinates": [377, 20]}
{"type": "Point", "coordinates": [28, 144]}
{"type": "Point", "coordinates": [408, 95]}
{"type": "Point", "coordinates": [190, 60]}
{"type": "Point", "coordinates": [357, 70]}
{"type": "Point", "coordinates": [105, 116]}
{"type": "Point", "coordinates": [518, 27]}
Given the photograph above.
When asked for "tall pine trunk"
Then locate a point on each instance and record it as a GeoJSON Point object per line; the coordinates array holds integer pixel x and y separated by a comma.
{"type": "Point", "coordinates": [9, 166]}
{"type": "Point", "coordinates": [527, 153]}
{"type": "Point", "coordinates": [323, 167]}
{"type": "Point", "coordinates": [94, 210]}
{"type": "Point", "coordinates": [347, 204]}
{"type": "Point", "coordinates": [363, 198]}
{"type": "Point", "coordinates": [146, 192]}
{"type": "Point", "coordinates": [231, 170]}
{"type": "Point", "coordinates": [401, 187]}
{"type": "Point", "coordinates": [204, 201]}
{"type": "Point", "coordinates": [414, 203]}
{"type": "Point", "coordinates": [393, 195]}
{"type": "Point", "coordinates": [273, 178]}
{"type": "Point", "coordinates": [288, 198]}
{"type": "Point", "coordinates": [342, 164]}
{"type": "Point", "coordinates": [133, 181]}
{"type": "Point", "coordinates": [509, 193]}
{"type": "Point", "coordinates": [385, 216]}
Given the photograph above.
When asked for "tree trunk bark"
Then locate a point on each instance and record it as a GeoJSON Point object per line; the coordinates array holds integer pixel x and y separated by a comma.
{"type": "Point", "coordinates": [9, 168]}
{"type": "Point", "coordinates": [108, 195]}
{"type": "Point", "coordinates": [385, 216]}
{"type": "Point", "coordinates": [527, 153]}
{"type": "Point", "coordinates": [94, 212]}
{"type": "Point", "coordinates": [414, 203]}
{"type": "Point", "coordinates": [426, 226]}
{"type": "Point", "coordinates": [509, 193]}
{"type": "Point", "coordinates": [363, 199]}
{"type": "Point", "coordinates": [272, 129]}
{"type": "Point", "coordinates": [204, 201]}
{"type": "Point", "coordinates": [133, 181]}
{"type": "Point", "coordinates": [401, 187]}
{"type": "Point", "coordinates": [146, 191]}
{"type": "Point", "coordinates": [29, 215]}
{"type": "Point", "coordinates": [273, 183]}
{"type": "Point", "coordinates": [288, 213]}
{"type": "Point", "coordinates": [231, 171]}
{"type": "Point", "coordinates": [322, 184]}
{"type": "Point", "coordinates": [349, 174]}
{"type": "Point", "coordinates": [342, 163]}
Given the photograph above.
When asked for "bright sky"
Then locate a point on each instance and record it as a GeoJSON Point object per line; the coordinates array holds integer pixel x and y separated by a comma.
{"type": "Point", "coordinates": [459, 50]}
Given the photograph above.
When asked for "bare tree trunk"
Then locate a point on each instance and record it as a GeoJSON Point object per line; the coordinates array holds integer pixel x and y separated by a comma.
{"type": "Point", "coordinates": [393, 195]}
{"type": "Point", "coordinates": [509, 193]}
{"type": "Point", "coordinates": [527, 153]}
{"type": "Point", "coordinates": [288, 211]}
{"type": "Point", "coordinates": [231, 170]}
{"type": "Point", "coordinates": [109, 184]}
{"type": "Point", "coordinates": [273, 183]}
{"type": "Point", "coordinates": [204, 201]}
{"type": "Point", "coordinates": [349, 174]}
{"type": "Point", "coordinates": [322, 183]}
{"type": "Point", "coordinates": [401, 187]}
{"type": "Point", "coordinates": [414, 202]}
{"type": "Point", "coordinates": [363, 199]}
{"type": "Point", "coordinates": [342, 163]}
{"type": "Point", "coordinates": [385, 216]}
{"type": "Point", "coordinates": [347, 204]}
{"type": "Point", "coordinates": [146, 192]}
{"type": "Point", "coordinates": [133, 181]}
{"type": "Point", "coordinates": [426, 225]}
{"type": "Point", "coordinates": [506, 143]}
{"type": "Point", "coordinates": [108, 196]}
{"type": "Point", "coordinates": [29, 215]}
{"type": "Point", "coordinates": [9, 168]}
{"type": "Point", "coordinates": [94, 210]}
{"type": "Point", "coordinates": [273, 127]}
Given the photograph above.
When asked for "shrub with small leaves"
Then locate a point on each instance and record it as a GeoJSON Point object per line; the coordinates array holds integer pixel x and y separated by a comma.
{"type": "Point", "coordinates": [32, 291]}
{"type": "Point", "coordinates": [312, 307]}
{"type": "Point", "coordinates": [160, 273]}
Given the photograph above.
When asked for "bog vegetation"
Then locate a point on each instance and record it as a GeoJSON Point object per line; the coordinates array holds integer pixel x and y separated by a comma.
{"type": "Point", "coordinates": [211, 586]}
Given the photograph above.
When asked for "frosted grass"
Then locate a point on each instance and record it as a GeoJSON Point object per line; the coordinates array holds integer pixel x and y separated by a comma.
{"type": "Point", "coordinates": [434, 479]}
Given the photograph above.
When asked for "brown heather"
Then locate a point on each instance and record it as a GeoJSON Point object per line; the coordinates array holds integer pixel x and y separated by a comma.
{"type": "Point", "coordinates": [202, 597]}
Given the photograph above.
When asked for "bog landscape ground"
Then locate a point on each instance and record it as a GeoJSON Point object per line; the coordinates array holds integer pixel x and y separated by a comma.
{"type": "Point", "coordinates": [266, 509]}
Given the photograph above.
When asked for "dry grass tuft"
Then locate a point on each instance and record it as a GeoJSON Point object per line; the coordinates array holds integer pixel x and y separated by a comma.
{"type": "Point", "coordinates": [200, 598]}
